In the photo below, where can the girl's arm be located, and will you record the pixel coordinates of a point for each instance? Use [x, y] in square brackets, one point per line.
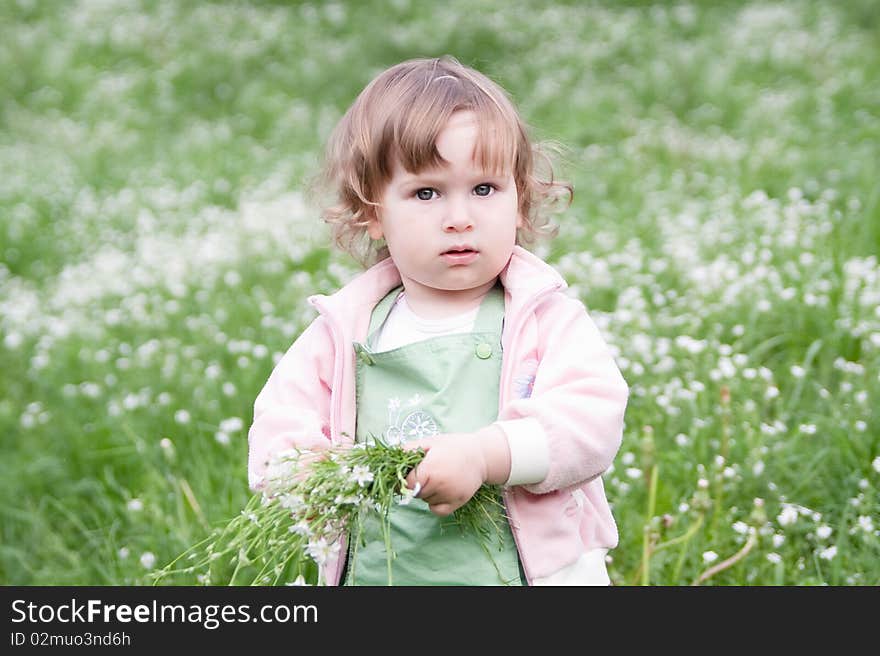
[570, 428]
[293, 408]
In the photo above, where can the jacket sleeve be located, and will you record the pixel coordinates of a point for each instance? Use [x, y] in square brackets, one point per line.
[293, 408]
[571, 426]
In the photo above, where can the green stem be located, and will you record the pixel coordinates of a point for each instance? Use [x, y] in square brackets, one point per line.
[730, 562]
[719, 476]
[690, 533]
[646, 530]
[687, 535]
[386, 532]
[235, 571]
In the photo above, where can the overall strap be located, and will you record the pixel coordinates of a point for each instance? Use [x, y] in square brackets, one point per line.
[491, 315]
[381, 312]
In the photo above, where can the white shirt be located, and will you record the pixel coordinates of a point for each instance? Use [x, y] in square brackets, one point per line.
[403, 326]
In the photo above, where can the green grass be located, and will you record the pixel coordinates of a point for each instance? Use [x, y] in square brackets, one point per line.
[155, 257]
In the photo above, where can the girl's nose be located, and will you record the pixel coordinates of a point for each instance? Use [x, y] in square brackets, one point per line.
[457, 217]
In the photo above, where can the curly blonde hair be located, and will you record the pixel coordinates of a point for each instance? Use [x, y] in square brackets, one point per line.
[400, 114]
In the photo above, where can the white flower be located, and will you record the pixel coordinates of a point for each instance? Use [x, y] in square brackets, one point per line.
[320, 550]
[823, 532]
[710, 557]
[293, 502]
[758, 468]
[809, 429]
[866, 523]
[798, 372]
[231, 425]
[741, 527]
[123, 553]
[299, 581]
[135, 505]
[222, 437]
[681, 439]
[778, 540]
[409, 494]
[774, 558]
[788, 516]
[181, 417]
[148, 559]
[829, 553]
[634, 472]
[361, 475]
[349, 499]
[876, 464]
[301, 528]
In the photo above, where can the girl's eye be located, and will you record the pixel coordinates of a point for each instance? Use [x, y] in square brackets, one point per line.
[425, 194]
[483, 189]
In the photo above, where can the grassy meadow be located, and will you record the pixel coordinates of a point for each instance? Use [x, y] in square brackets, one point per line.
[157, 249]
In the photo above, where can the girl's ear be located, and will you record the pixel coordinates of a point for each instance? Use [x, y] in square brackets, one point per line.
[374, 228]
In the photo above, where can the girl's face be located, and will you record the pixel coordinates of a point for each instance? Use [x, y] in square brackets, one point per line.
[450, 230]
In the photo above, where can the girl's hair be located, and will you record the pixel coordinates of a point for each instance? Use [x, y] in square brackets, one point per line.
[399, 114]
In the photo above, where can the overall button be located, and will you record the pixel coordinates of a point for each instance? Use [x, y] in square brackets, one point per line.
[484, 350]
[363, 355]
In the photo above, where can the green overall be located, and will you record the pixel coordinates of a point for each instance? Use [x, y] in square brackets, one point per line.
[446, 384]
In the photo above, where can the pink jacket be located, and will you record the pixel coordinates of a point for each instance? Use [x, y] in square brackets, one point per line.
[559, 383]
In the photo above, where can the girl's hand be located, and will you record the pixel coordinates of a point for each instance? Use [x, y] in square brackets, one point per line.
[456, 465]
[305, 461]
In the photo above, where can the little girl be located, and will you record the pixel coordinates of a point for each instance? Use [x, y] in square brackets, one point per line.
[458, 341]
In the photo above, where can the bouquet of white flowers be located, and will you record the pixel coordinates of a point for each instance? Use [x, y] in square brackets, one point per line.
[308, 501]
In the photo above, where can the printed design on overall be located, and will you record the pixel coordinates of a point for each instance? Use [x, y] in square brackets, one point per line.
[524, 381]
[408, 422]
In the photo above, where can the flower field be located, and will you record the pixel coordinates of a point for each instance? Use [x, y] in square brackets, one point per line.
[157, 246]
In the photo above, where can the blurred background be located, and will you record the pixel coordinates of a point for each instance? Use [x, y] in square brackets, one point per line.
[156, 251]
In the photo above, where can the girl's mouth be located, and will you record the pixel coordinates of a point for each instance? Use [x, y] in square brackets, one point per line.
[460, 256]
